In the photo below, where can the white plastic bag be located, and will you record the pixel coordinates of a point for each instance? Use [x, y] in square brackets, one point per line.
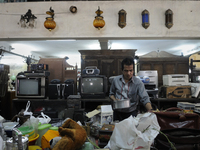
[27, 108]
[43, 119]
[1, 143]
[136, 133]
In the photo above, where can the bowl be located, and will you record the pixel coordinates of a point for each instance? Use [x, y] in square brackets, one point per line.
[33, 140]
[27, 131]
[119, 104]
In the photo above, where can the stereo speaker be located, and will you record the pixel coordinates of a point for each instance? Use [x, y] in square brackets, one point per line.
[54, 91]
[79, 115]
[67, 89]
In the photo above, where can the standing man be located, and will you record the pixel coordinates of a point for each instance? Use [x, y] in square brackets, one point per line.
[127, 86]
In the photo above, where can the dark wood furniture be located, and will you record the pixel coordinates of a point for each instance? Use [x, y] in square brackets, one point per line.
[60, 69]
[164, 65]
[107, 61]
[6, 106]
[56, 104]
[164, 103]
[195, 73]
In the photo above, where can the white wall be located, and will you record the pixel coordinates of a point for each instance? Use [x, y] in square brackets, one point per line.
[186, 19]
[80, 25]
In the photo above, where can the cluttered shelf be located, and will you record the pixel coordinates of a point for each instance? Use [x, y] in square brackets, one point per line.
[158, 101]
[57, 105]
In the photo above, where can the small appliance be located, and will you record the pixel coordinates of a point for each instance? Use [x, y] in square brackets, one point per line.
[195, 89]
[175, 79]
[152, 78]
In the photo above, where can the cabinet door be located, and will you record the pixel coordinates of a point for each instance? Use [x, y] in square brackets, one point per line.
[89, 62]
[106, 67]
[182, 68]
[145, 66]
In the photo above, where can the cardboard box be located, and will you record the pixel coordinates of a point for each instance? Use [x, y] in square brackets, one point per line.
[175, 92]
[104, 116]
[105, 132]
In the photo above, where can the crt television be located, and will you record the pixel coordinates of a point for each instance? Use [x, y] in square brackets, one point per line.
[31, 87]
[93, 86]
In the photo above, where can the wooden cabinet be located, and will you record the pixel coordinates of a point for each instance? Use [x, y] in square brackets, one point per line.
[6, 106]
[107, 61]
[60, 69]
[164, 65]
[195, 71]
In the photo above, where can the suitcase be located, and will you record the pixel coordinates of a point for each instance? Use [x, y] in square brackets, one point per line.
[176, 118]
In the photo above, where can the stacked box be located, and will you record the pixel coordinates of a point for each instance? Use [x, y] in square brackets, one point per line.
[105, 133]
[175, 92]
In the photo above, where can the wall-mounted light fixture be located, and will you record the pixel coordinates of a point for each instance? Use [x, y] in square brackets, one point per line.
[50, 24]
[73, 9]
[122, 18]
[98, 21]
[145, 19]
[169, 18]
[27, 20]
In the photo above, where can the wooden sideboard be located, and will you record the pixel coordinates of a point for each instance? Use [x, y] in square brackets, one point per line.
[164, 65]
[60, 69]
[107, 61]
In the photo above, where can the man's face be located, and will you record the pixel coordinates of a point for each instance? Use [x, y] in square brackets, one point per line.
[128, 72]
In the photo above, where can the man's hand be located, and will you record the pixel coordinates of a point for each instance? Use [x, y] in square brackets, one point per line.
[149, 107]
[113, 98]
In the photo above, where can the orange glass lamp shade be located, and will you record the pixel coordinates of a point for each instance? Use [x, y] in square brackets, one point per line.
[98, 21]
[50, 24]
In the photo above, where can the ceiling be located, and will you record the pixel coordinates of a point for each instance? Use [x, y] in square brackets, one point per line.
[70, 47]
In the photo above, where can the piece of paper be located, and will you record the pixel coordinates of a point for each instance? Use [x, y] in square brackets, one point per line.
[106, 108]
[93, 113]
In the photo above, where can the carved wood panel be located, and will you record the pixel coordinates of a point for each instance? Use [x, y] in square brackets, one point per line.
[166, 65]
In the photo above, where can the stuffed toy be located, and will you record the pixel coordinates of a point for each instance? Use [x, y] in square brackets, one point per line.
[73, 136]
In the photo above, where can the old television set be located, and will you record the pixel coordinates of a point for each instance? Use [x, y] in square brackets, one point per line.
[31, 87]
[93, 86]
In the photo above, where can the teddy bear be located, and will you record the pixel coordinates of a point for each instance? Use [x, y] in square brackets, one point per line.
[73, 136]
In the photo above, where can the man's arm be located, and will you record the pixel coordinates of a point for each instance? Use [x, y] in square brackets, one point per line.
[148, 106]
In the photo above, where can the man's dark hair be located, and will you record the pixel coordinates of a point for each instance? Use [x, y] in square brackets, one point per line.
[127, 61]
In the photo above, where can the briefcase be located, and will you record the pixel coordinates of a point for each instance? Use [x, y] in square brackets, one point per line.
[176, 118]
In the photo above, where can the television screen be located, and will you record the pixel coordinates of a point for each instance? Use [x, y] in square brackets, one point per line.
[29, 86]
[92, 85]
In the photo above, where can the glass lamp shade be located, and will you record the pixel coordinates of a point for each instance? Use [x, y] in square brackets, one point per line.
[13, 77]
[23, 23]
[49, 24]
[145, 19]
[169, 18]
[31, 22]
[99, 22]
[122, 18]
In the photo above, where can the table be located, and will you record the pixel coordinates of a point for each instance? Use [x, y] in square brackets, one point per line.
[158, 101]
[57, 104]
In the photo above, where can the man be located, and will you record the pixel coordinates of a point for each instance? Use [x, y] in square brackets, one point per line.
[127, 86]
